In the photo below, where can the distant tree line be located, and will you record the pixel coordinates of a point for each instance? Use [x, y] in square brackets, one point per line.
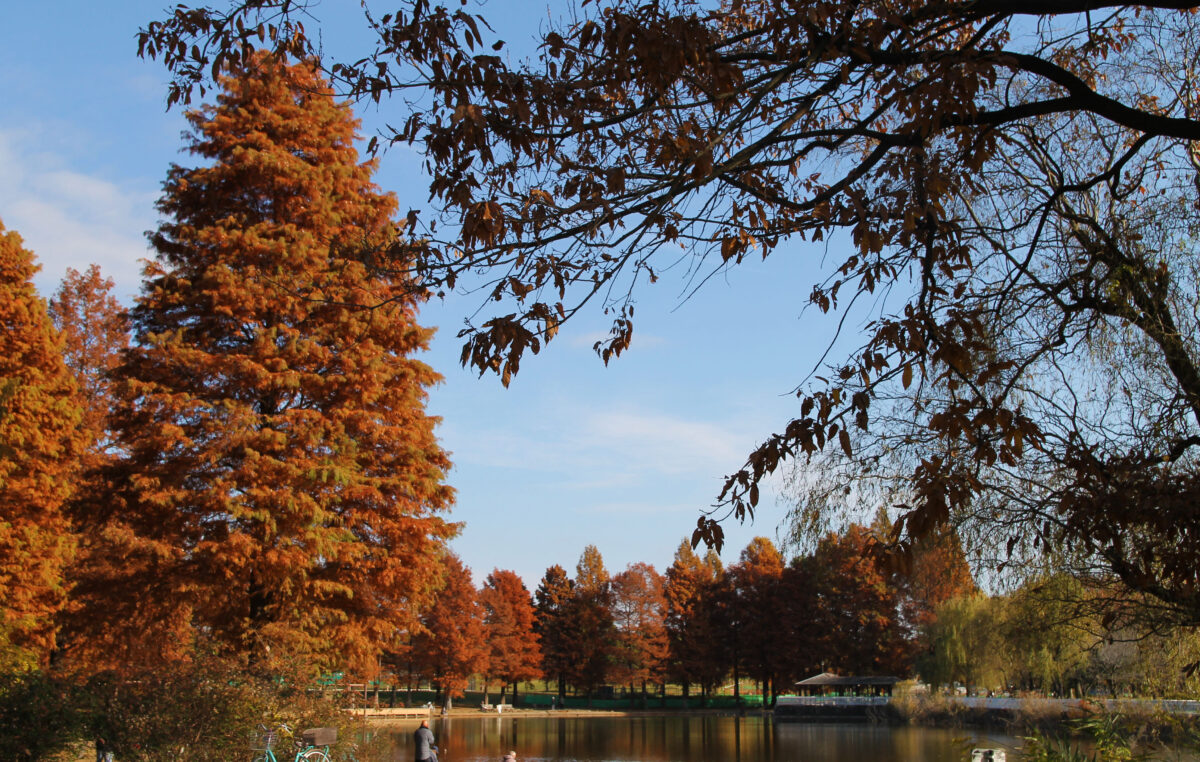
[703, 627]
[700, 626]
[1054, 636]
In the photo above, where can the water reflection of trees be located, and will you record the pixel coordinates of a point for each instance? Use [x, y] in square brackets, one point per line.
[694, 738]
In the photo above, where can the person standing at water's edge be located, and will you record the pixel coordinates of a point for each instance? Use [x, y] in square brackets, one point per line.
[426, 750]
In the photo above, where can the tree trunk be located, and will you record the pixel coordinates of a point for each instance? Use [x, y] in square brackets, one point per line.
[259, 599]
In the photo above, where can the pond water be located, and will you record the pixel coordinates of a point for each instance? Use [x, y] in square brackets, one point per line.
[692, 738]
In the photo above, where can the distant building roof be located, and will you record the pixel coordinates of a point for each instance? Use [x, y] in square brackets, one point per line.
[828, 678]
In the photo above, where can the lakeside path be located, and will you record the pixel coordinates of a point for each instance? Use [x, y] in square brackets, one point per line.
[373, 718]
[940, 709]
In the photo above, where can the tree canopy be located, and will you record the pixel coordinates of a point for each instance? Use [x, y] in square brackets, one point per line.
[92, 324]
[508, 618]
[280, 489]
[639, 613]
[451, 644]
[1014, 182]
[40, 441]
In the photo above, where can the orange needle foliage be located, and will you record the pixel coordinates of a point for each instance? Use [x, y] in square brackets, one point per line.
[281, 491]
[590, 619]
[851, 606]
[451, 645]
[40, 439]
[698, 652]
[508, 616]
[758, 578]
[94, 334]
[639, 608]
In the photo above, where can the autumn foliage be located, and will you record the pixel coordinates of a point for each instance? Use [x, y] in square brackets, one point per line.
[639, 613]
[693, 630]
[40, 442]
[758, 578]
[1019, 179]
[508, 618]
[854, 606]
[280, 491]
[94, 332]
[451, 644]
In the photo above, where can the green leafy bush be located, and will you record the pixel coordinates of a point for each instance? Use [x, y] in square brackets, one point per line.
[40, 716]
[203, 711]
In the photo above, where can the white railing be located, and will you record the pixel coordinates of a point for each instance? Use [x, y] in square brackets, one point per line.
[1172, 706]
[831, 701]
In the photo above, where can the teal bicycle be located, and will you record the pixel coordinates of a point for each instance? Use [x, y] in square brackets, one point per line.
[312, 745]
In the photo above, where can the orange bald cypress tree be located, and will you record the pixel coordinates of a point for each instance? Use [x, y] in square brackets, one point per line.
[639, 611]
[591, 619]
[757, 578]
[508, 617]
[40, 441]
[282, 490]
[696, 642]
[451, 644]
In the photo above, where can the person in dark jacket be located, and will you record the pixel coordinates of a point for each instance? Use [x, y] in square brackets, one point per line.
[104, 752]
[426, 750]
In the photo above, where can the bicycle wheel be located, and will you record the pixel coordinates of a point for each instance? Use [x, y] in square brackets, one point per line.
[313, 755]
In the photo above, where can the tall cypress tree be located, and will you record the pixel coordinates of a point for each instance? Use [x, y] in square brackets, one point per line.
[282, 490]
[40, 441]
[508, 617]
[452, 642]
[592, 618]
[554, 625]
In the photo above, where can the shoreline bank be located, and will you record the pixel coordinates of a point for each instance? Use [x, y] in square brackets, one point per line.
[1013, 716]
[468, 713]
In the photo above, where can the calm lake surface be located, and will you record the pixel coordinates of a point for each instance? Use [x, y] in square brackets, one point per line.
[690, 739]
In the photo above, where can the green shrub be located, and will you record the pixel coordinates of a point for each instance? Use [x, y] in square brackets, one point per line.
[40, 716]
[203, 711]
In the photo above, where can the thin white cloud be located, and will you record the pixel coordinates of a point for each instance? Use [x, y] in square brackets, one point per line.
[664, 443]
[71, 219]
[581, 448]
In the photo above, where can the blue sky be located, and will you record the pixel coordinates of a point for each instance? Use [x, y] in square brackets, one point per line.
[572, 453]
